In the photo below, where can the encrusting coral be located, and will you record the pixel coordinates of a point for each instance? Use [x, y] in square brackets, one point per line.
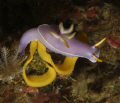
[10, 63]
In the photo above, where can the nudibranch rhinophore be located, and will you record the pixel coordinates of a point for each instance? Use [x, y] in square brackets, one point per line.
[60, 40]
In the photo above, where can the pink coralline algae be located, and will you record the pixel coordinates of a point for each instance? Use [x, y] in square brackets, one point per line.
[63, 76]
[8, 95]
[91, 12]
[50, 97]
[28, 89]
[114, 41]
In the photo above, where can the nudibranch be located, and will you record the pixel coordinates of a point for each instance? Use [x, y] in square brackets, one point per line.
[58, 40]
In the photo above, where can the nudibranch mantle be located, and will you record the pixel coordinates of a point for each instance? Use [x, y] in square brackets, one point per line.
[42, 33]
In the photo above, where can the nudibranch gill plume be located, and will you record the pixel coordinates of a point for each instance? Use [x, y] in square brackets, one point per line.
[61, 41]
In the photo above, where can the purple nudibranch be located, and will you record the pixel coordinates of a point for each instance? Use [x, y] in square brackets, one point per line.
[76, 47]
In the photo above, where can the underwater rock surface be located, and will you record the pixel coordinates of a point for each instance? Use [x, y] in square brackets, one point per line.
[88, 83]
